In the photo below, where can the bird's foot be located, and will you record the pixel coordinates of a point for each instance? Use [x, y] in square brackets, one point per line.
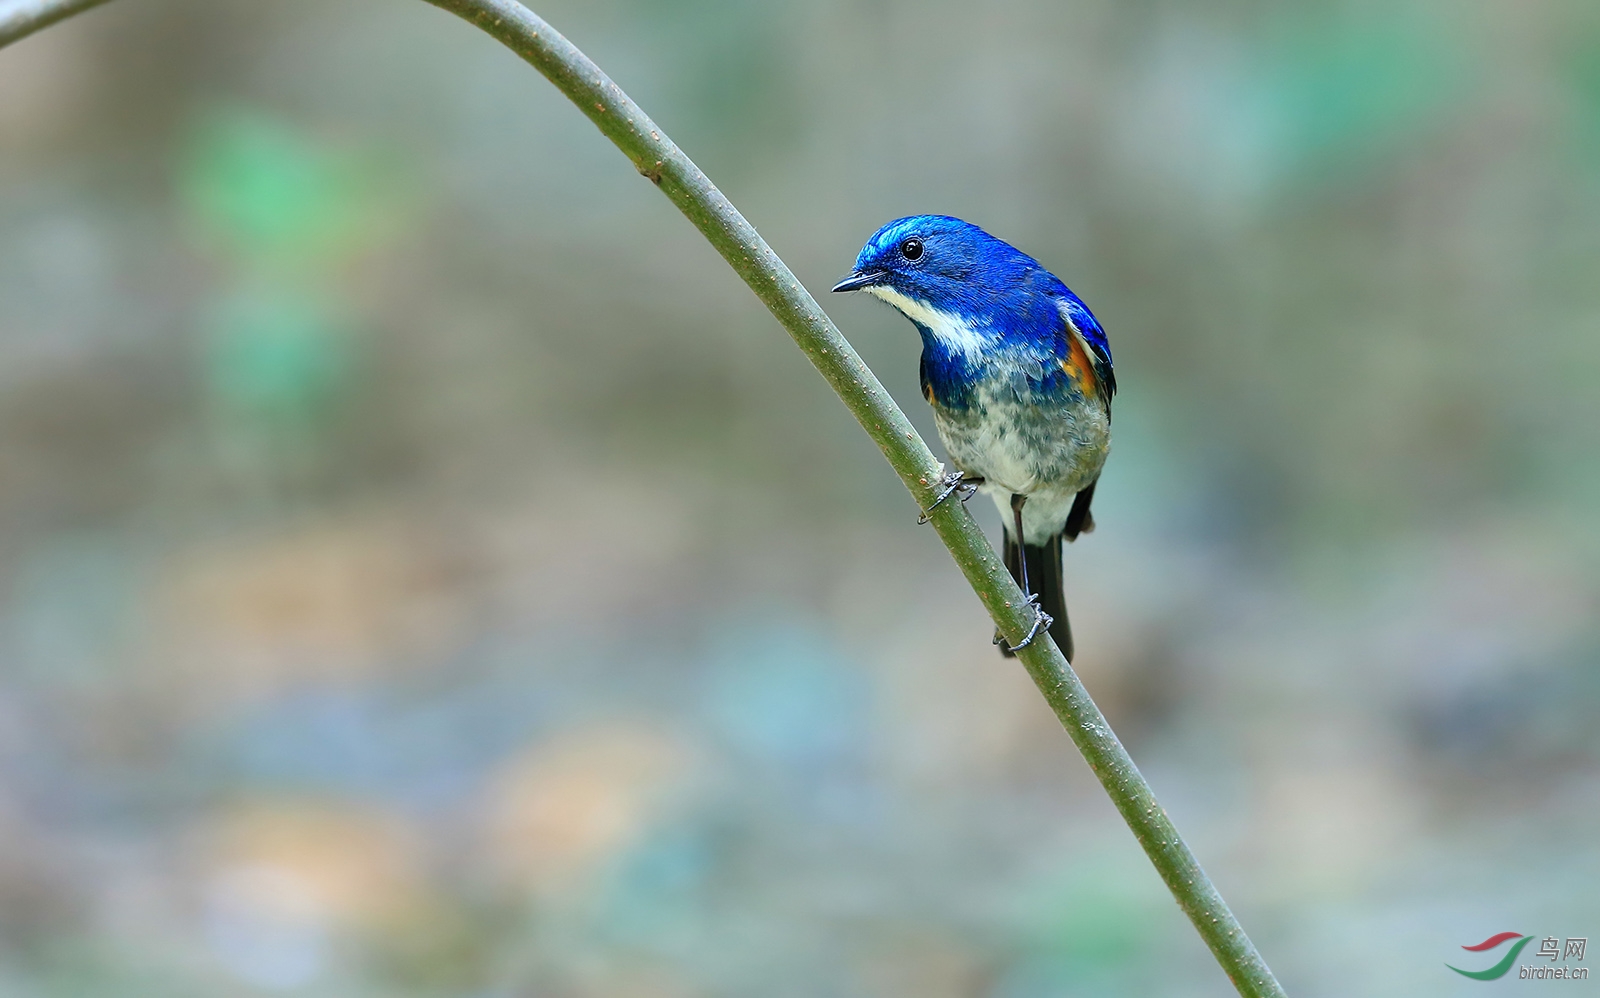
[954, 482]
[1041, 622]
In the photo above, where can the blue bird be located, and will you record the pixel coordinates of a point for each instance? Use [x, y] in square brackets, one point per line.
[1018, 372]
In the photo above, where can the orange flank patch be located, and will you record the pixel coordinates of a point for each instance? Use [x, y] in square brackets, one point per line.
[1079, 367]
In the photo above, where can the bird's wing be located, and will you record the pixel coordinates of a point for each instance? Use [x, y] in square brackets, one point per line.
[1082, 324]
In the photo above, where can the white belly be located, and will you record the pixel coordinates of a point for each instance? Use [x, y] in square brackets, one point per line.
[1048, 452]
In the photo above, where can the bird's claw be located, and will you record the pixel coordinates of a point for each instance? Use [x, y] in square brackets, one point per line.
[1041, 622]
[953, 482]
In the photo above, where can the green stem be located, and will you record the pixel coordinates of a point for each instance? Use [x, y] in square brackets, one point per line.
[21, 18]
[664, 164]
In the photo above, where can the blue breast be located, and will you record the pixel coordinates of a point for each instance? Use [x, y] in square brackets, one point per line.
[1030, 367]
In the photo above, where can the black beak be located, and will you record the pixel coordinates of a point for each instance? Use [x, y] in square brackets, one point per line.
[858, 280]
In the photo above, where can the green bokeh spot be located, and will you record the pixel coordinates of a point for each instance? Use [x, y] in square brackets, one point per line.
[1586, 84]
[1347, 92]
[271, 193]
[275, 356]
[1084, 928]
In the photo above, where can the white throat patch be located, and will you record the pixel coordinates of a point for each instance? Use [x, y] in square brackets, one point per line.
[949, 329]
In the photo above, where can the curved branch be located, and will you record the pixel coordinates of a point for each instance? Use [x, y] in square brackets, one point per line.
[22, 18]
[657, 158]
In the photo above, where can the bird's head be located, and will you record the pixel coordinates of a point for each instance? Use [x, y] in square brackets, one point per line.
[939, 262]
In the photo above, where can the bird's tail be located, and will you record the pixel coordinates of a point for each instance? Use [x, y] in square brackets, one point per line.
[1044, 576]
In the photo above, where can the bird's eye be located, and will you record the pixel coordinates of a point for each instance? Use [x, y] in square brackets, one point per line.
[911, 249]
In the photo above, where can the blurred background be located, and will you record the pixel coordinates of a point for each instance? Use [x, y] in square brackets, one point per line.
[426, 570]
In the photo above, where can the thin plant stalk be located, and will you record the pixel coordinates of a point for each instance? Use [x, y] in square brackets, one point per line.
[21, 18]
